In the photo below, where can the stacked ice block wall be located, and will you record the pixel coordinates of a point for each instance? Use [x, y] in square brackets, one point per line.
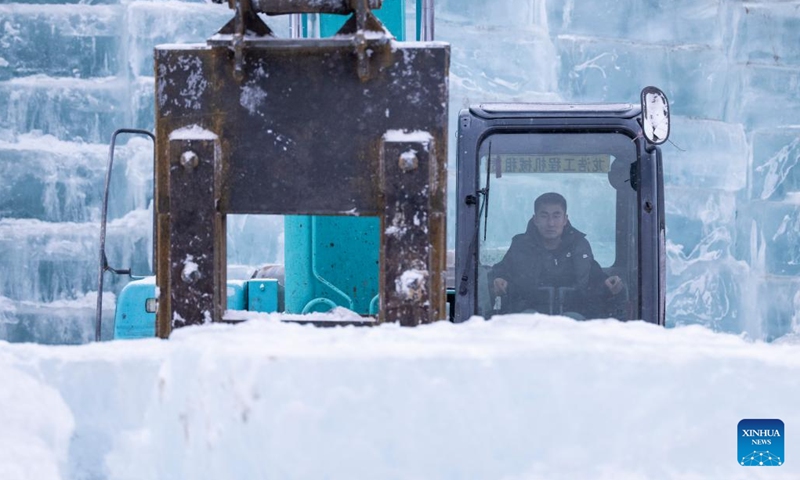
[72, 71]
[732, 73]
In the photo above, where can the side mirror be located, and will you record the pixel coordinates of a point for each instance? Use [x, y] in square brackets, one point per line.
[655, 113]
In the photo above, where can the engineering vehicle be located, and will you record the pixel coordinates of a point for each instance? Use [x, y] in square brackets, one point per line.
[211, 157]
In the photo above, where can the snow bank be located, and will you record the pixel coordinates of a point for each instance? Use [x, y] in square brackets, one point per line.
[36, 428]
[524, 396]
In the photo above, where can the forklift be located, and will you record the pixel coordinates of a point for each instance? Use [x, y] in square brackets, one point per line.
[353, 128]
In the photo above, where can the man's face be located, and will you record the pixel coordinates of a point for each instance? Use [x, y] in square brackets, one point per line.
[550, 220]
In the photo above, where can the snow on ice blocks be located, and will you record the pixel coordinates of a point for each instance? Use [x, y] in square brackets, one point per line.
[45, 261]
[52, 180]
[89, 38]
[616, 401]
[59, 40]
[60, 322]
[68, 108]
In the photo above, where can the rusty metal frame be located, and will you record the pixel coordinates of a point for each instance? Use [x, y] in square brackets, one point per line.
[352, 125]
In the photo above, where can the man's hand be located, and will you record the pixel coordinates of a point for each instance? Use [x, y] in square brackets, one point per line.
[614, 284]
[500, 286]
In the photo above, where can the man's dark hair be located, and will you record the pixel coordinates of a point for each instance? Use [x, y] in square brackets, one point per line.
[550, 198]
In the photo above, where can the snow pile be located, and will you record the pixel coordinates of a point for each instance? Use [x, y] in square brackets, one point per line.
[523, 396]
[36, 428]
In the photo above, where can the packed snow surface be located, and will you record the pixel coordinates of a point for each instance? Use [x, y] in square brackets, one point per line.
[523, 396]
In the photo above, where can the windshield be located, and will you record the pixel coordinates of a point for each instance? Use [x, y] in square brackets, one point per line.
[558, 233]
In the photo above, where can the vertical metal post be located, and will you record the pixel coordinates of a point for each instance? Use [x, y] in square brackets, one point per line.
[427, 33]
[413, 230]
[418, 11]
[295, 25]
[191, 277]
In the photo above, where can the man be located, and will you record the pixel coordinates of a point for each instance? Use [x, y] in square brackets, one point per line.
[552, 262]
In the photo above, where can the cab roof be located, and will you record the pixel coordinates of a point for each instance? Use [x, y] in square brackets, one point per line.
[518, 110]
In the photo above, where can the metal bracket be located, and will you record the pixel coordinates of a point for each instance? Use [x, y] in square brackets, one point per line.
[298, 132]
[245, 22]
[190, 261]
[367, 33]
[288, 7]
[413, 230]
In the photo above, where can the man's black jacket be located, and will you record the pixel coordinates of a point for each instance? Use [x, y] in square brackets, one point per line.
[528, 266]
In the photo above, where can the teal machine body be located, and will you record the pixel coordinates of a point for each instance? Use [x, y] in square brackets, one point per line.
[135, 315]
[334, 261]
[330, 262]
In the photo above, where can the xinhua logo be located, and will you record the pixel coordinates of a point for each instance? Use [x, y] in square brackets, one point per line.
[761, 443]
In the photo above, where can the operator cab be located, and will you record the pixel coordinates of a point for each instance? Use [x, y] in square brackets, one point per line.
[609, 172]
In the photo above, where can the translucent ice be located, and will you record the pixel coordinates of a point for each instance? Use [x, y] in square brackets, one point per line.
[59, 40]
[602, 69]
[775, 172]
[73, 71]
[69, 108]
[762, 32]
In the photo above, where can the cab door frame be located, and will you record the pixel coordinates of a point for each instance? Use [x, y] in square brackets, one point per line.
[480, 121]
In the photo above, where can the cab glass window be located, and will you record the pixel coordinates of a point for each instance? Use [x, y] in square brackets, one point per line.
[578, 255]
